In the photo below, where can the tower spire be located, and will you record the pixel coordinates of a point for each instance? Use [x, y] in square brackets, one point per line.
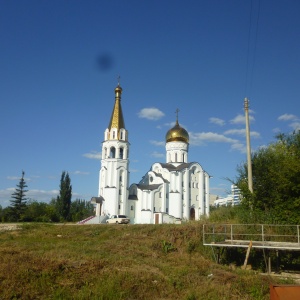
[117, 120]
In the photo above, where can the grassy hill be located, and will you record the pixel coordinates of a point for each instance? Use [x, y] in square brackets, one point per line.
[41, 261]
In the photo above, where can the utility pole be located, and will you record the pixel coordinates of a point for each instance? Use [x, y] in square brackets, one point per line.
[246, 107]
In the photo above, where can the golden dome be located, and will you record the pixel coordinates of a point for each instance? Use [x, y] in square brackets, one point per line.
[118, 90]
[177, 133]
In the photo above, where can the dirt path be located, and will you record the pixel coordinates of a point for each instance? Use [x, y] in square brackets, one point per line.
[8, 227]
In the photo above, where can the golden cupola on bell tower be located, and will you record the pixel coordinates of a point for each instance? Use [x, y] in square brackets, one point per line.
[116, 128]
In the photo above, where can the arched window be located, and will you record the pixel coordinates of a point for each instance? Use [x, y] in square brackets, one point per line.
[121, 153]
[175, 157]
[183, 157]
[112, 152]
[121, 135]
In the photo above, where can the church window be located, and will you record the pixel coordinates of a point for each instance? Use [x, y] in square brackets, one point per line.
[175, 157]
[160, 195]
[167, 210]
[112, 152]
[121, 179]
[151, 178]
[119, 206]
[131, 207]
[120, 191]
[154, 209]
[121, 135]
[193, 184]
[114, 135]
[121, 153]
[182, 183]
[197, 185]
[182, 157]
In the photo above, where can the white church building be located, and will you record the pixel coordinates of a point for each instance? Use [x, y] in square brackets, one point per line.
[170, 192]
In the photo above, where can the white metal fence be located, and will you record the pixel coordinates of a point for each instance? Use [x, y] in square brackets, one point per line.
[261, 235]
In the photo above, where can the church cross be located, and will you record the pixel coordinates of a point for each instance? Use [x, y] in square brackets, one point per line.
[177, 111]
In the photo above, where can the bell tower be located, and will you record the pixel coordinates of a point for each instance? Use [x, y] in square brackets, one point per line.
[114, 171]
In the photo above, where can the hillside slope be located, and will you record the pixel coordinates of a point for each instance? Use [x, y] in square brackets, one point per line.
[118, 262]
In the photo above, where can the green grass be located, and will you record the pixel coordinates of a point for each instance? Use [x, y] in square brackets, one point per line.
[118, 262]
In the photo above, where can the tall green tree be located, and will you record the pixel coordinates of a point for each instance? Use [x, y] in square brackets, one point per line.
[80, 209]
[63, 202]
[19, 200]
[276, 181]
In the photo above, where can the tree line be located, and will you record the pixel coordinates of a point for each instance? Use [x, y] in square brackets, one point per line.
[59, 209]
[276, 185]
[275, 198]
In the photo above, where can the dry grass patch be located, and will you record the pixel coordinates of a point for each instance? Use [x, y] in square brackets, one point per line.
[118, 262]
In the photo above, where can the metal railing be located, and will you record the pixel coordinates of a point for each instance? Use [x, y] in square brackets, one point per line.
[262, 235]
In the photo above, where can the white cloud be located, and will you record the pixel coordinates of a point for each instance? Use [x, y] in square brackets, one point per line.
[240, 119]
[202, 137]
[13, 178]
[42, 195]
[27, 179]
[276, 130]
[157, 143]
[287, 117]
[242, 132]
[150, 113]
[217, 121]
[211, 137]
[157, 154]
[39, 195]
[239, 147]
[81, 173]
[295, 125]
[171, 124]
[93, 155]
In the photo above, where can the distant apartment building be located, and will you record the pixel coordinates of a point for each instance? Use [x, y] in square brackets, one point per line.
[232, 199]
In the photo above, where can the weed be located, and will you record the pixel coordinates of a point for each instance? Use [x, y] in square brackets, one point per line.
[168, 247]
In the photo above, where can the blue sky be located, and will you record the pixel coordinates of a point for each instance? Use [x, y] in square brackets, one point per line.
[59, 62]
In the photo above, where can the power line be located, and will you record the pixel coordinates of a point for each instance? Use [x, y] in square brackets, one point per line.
[250, 64]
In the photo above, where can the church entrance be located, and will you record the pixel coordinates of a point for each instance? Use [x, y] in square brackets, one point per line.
[192, 213]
